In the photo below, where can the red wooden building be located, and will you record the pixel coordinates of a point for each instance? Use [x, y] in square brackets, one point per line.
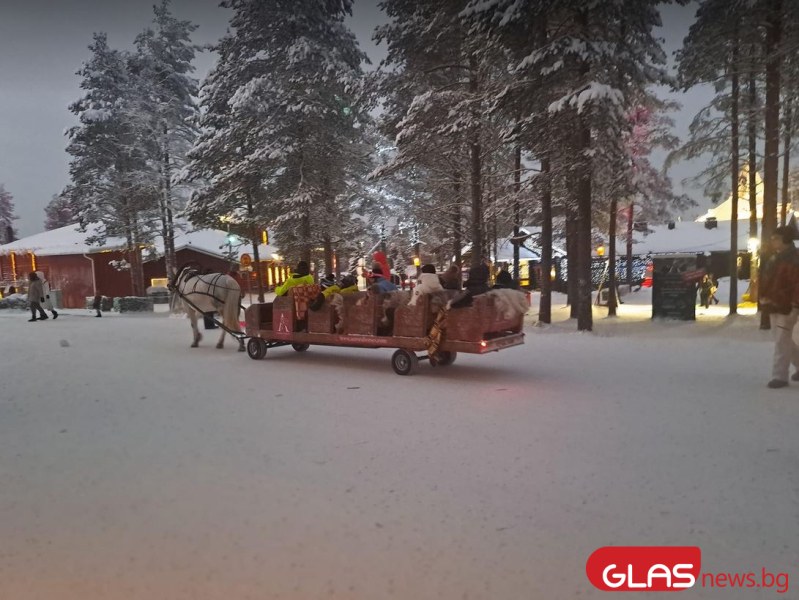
[80, 270]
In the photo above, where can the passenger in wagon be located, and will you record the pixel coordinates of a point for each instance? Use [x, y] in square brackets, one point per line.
[300, 276]
[378, 279]
[505, 281]
[427, 284]
[476, 284]
[451, 278]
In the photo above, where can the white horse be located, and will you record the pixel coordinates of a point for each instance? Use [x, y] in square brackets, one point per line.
[209, 293]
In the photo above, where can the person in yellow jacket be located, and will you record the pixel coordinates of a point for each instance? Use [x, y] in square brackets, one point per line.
[300, 276]
[349, 285]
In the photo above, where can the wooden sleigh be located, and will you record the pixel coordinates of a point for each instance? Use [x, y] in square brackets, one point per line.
[476, 329]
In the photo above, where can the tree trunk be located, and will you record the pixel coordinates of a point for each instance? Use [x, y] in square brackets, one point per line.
[584, 309]
[256, 255]
[456, 218]
[305, 224]
[327, 244]
[475, 173]
[612, 258]
[545, 306]
[629, 265]
[573, 259]
[136, 266]
[772, 131]
[752, 133]
[786, 166]
[170, 258]
[517, 187]
[734, 173]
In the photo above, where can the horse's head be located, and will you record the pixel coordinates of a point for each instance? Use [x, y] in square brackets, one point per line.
[184, 272]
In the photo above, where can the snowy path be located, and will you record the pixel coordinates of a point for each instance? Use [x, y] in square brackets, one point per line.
[132, 467]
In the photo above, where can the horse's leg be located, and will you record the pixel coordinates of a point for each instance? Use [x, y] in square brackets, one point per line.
[221, 342]
[197, 335]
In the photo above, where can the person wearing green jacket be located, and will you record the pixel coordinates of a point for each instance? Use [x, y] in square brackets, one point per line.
[300, 276]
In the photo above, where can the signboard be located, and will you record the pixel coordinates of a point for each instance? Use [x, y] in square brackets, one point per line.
[246, 260]
[674, 287]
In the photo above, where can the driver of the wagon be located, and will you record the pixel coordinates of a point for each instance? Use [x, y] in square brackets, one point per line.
[300, 276]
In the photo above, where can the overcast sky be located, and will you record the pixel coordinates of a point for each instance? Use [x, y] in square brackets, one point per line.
[44, 42]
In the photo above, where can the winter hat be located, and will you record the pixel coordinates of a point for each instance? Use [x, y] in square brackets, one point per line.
[504, 278]
[786, 233]
[428, 268]
[302, 269]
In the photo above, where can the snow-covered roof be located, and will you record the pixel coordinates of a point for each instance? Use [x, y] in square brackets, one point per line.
[64, 240]
[689, 237]
[214, 241]
[69, 240]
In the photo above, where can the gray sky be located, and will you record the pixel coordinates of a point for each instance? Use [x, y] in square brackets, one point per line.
[44, 42]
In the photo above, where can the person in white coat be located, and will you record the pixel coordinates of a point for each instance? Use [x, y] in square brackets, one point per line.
[427, 284]
[48, 302]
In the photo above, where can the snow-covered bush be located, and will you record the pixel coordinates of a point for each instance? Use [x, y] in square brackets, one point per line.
[14, 301]
[133, 304]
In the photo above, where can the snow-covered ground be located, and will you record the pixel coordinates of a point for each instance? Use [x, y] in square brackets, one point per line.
[134, 467]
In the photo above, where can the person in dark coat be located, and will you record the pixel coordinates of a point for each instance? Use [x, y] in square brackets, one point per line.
[98, 303]
[505, 281]
[451, 278]
[779, 295]
[705, 291]
[36, 297]
[476, 284]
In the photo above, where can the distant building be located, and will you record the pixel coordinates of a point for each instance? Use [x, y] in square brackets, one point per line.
[78, 269]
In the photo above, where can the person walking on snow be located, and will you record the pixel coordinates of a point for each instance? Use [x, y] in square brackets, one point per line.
[47, 302]
[98, 303]
[779, 295]
[36, 297]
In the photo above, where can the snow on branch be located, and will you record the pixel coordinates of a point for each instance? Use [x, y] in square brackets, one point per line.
[594, 92]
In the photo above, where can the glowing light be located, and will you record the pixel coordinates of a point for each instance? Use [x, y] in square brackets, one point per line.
[600, 251]
[552, 274]
[483, 343]
[417, 261]
[753, 245]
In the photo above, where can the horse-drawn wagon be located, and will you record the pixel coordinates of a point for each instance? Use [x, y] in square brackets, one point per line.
[363, 320]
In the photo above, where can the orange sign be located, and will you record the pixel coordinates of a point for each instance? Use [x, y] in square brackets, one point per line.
[246, 260]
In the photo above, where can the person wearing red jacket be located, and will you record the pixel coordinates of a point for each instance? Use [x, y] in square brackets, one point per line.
[779, 295]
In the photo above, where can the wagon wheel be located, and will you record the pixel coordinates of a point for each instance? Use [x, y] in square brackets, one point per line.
[300, 347]
[404, 362]
[256, 348]
[444, 359]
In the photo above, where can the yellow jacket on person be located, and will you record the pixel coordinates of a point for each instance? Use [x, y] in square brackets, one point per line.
[334, 289]
[291, 282]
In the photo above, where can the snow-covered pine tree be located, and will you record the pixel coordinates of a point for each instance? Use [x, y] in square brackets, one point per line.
[59, 212]
[790, 100]
[284, 110]
[593, 59]
[7, 217]
[167, 91]
[437, 79]
[111, 177]
[720, 49]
